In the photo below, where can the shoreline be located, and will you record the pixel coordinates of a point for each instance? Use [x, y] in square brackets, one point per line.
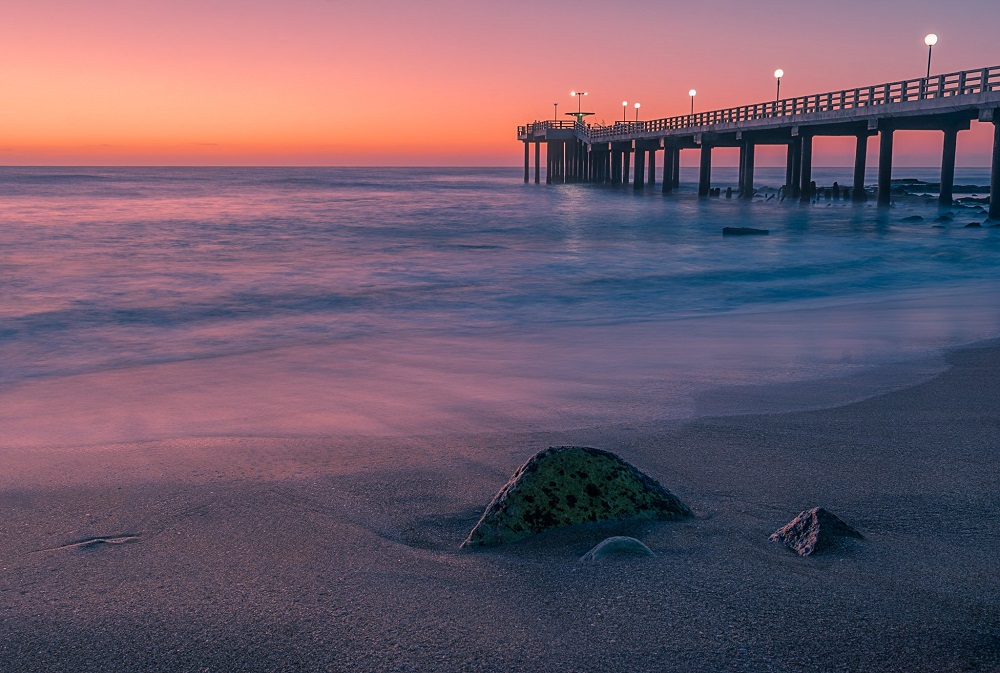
[342, 554]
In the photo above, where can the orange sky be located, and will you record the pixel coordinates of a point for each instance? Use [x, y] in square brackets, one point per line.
[333, 82]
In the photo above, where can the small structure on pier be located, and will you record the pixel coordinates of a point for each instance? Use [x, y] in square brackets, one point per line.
[577, 152]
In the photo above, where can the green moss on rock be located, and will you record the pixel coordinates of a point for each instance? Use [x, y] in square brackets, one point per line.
[567, 485]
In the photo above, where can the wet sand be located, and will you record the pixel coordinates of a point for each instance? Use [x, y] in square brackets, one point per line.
[278, 554]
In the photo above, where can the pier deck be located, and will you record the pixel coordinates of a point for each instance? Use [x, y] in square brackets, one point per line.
[578, 152]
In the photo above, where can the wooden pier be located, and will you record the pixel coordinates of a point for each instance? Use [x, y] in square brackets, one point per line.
[578, 152]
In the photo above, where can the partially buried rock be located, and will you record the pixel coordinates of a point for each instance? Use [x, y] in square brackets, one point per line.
[913, 218]
[813, 530]
[566, 485]
[617, 546]
[744, 231]
[973, 225]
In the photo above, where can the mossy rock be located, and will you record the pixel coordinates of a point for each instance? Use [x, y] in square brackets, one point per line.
[568, 485]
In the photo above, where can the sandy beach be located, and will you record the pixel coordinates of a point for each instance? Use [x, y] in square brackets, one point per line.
[317, 554]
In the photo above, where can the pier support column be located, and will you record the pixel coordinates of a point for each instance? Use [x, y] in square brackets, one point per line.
[651, 178]
[640, 168]
[741, 171]
[705, 172]
[789, 166]
[527, 167]
[548, 162]
[796, 150]
[948, 166]
[565, 162]
[626, 161]
[885, 167]
[675, 172]
[805, 183]
[860, 157]
[995, 172]
[617, 161]
[668, 170]
[538, 159]
[747, 181]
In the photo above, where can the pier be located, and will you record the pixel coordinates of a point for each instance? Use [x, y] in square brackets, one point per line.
[578, 152]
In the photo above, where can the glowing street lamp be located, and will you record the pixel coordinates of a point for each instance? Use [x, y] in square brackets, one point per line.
[692, 93]
[637, 113]
[930, 41]
[624, 110]
[778, 74]
[579, 97]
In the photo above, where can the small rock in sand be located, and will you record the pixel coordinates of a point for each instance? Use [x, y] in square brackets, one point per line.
[973, 225]
[618, 545]
[813, 530]
[913, 218]
[567, 485]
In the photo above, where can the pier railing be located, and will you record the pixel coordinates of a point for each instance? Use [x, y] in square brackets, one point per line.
[961, 83]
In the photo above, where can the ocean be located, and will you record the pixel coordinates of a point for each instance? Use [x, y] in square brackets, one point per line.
[153, 303]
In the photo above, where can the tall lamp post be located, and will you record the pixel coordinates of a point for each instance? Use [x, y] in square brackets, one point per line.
[624, 110]
[778, 74]
[555, 111]
[579, 98]
[692, 93]
[637, 106]
[930, 41]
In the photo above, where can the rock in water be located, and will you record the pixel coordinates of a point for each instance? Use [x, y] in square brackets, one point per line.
[617, 546]
[566, 485]
[744, 231]
[813, 530]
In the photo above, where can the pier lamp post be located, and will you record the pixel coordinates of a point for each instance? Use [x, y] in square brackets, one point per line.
[555, 111]
[930, 41]
[579, 98]
[778, 74]
[637, 113]
[624, 110]
[692, 93]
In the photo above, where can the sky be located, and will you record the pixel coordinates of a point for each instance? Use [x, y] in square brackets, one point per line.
[439, 82]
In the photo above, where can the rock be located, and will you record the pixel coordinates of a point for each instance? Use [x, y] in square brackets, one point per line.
[567, 485]
[813, 530]
[973, 225]
[617, 546]
[944, 218]
[913, 218]
[744, 231]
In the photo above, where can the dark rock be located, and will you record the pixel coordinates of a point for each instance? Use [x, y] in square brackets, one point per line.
[744, 231]
[567, 485]
[973, 225]
[617, 546]
[913, 218]
[944, 218]
[813, 530]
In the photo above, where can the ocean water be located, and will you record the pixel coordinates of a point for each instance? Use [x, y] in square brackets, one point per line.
[145, 303]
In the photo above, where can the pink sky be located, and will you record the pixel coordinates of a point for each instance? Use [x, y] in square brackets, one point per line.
[332, 82]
